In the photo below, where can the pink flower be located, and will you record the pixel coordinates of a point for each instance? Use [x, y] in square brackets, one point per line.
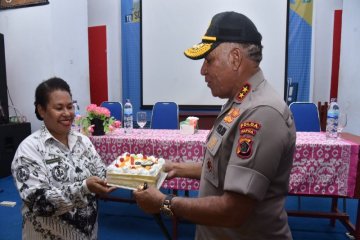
[117, 124]
[91, 108]
[97, 112]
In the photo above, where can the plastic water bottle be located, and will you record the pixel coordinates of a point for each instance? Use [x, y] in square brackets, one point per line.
[332, 119]
[128, 117]
[76, 126]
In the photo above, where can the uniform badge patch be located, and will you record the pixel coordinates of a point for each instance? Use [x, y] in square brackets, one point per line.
[244, 148]
[243, 92]
[231, 115]
[22, 174]
[221, 130]
[250, 124]
[248, 131]
[59, 173]
[212, 142]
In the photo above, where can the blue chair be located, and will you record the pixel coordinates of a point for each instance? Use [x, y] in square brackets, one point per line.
[306, 116]
[165, 115]
[115, 108]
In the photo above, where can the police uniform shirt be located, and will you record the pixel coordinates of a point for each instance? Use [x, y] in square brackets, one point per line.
[249, 151]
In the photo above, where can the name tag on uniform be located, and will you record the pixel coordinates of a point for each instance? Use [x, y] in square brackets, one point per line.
[53, 160]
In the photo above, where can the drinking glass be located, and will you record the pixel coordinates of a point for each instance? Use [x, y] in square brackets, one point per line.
[342, 121]
[141, 119]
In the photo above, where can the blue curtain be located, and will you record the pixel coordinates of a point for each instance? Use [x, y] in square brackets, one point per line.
[299, 46]
[131, 62]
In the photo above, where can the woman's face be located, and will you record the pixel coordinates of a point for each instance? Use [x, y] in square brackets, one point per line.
[58, 114]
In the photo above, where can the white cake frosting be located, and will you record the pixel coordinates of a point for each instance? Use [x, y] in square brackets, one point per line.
[137, 167]
[130, 170]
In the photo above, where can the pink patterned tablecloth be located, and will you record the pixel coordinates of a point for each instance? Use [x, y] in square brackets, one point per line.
[168, 144]
[321, 166]
[324, 167]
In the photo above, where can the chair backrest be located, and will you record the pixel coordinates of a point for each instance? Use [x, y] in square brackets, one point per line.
[115, 108]
[306, 116]
[165, 115]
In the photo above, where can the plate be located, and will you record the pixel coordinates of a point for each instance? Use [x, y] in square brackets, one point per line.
[161, 180]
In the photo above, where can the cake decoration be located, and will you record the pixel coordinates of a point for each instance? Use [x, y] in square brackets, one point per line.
[130, 170]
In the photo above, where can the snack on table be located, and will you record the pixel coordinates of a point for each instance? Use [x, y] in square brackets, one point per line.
[131, 170]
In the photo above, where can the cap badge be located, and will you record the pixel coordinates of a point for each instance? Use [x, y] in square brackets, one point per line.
[198, 49]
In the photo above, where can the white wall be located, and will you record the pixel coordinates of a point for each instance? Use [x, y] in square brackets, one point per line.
[349, 75]
[42, 42]
[109, 14]
[349, 72]
[52, 40]
[322, 42]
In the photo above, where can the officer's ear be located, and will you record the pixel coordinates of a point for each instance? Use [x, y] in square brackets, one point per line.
[236, 58]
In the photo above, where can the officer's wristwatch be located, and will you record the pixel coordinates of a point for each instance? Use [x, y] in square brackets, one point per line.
[166, 206]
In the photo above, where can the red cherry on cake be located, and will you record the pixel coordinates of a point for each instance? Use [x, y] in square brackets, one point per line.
[144, 157]
[117, 165]
[121, 159]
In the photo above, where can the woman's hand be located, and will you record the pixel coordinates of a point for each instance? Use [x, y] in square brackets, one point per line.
[98, 186]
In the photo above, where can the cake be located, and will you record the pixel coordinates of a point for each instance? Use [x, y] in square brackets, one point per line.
[131, 170]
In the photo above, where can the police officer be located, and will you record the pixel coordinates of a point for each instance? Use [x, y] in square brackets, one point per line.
[245, 174]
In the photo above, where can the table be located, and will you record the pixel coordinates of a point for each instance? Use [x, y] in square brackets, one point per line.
[321, 167]
[324, 167]
[169, 144]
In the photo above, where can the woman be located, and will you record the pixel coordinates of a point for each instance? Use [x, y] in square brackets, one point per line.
[58, 171]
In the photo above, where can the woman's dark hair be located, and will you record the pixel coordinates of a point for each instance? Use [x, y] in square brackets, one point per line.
[44, 89]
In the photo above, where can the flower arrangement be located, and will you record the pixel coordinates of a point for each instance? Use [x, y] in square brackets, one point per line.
[97, 117]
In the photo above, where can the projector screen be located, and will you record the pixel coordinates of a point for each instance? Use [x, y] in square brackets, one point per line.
[170, 27]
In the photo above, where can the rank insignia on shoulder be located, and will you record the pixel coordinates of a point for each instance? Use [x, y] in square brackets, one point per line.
[243, 92]
[244, 148]
[231, 115]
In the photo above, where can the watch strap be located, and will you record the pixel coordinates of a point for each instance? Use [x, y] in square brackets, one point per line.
[166, 205]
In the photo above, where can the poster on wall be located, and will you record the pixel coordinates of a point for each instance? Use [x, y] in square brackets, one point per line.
[10, 4]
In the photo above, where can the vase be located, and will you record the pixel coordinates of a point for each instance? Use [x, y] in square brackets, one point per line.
[98, 127]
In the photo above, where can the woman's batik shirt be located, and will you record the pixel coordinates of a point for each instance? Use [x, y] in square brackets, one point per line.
[51, 179]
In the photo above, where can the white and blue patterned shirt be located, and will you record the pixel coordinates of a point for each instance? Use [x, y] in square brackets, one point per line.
[51, 179]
